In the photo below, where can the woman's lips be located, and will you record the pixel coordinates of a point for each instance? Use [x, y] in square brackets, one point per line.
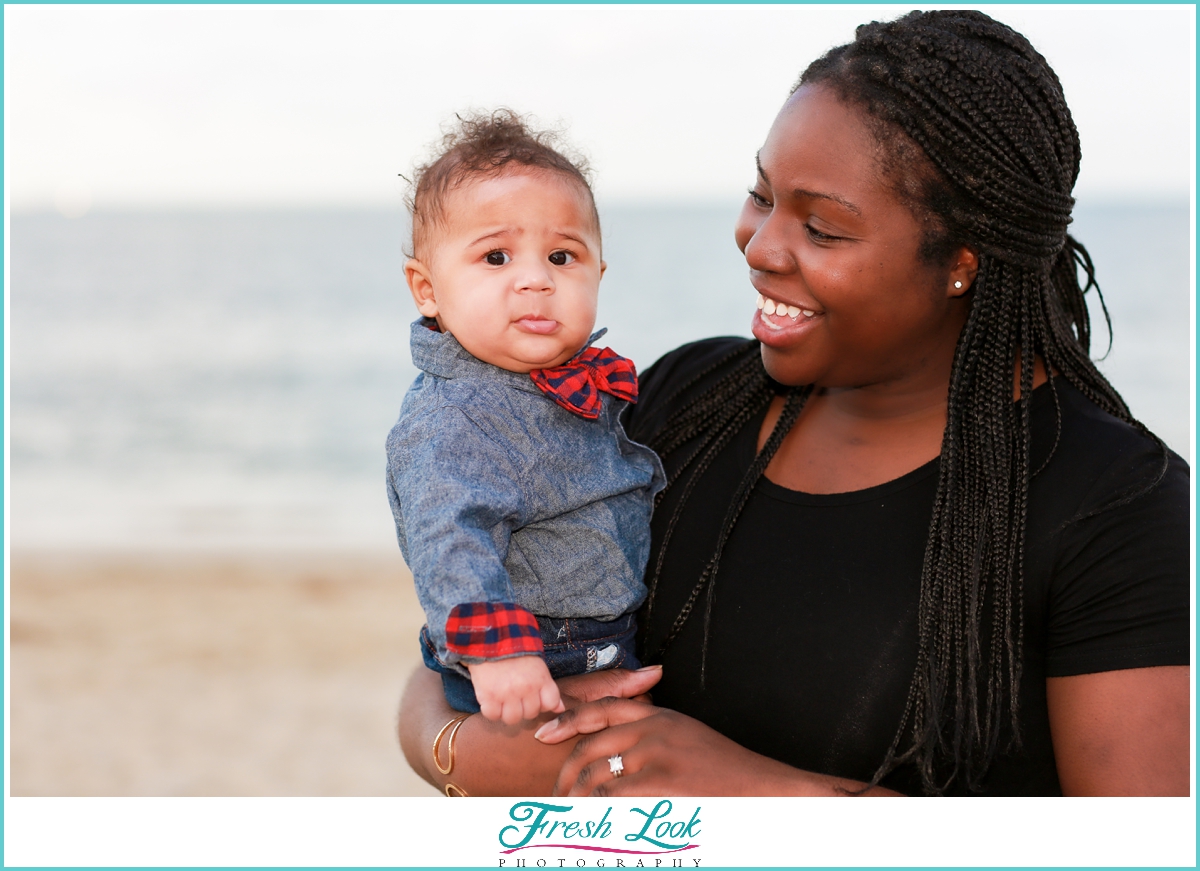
[538, 325]
[778, 323]
[769, 306]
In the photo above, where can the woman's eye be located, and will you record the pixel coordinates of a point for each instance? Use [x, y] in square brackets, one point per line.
[817, 236]
[759, 200]
[561, 258]
[496, 258]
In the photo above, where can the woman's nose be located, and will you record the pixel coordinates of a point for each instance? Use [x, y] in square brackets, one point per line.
[763, 242]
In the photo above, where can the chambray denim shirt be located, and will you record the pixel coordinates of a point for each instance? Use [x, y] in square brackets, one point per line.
[502, 495]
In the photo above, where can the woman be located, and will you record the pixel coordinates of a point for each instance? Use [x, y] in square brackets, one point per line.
[914, 542]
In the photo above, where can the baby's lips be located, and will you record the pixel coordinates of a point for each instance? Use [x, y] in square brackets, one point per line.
[541, 326]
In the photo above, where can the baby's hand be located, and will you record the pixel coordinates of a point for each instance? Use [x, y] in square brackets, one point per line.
[515, 689]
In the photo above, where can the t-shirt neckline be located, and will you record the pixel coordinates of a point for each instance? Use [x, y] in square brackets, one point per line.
[908, 479]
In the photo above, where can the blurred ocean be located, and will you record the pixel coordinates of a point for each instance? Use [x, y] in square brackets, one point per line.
[226, 380]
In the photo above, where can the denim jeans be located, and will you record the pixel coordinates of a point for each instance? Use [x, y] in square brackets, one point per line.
[572, 645]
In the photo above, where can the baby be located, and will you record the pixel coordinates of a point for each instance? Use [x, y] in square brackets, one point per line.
[521, 506]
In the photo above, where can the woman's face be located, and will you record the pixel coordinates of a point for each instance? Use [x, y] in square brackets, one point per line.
[834, 254]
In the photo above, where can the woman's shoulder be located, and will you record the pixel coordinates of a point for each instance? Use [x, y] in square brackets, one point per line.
[679, 376]
[1096, 456]
[1107, 540]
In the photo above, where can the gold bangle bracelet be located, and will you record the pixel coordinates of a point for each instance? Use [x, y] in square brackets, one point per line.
[454, 725]
[459, 792]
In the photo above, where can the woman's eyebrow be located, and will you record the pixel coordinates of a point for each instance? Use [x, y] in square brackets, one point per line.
[804, 192]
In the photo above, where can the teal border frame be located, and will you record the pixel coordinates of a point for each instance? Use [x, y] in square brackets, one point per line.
[900, 4]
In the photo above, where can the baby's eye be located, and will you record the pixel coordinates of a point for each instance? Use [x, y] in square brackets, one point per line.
[561, 258]
[496, 258]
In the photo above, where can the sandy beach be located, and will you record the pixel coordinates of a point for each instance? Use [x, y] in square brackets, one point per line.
[209, 674]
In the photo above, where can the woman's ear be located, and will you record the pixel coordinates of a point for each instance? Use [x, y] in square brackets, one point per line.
[420, 283]
[963, 268]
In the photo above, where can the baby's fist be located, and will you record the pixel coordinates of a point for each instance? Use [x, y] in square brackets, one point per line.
[514, 689]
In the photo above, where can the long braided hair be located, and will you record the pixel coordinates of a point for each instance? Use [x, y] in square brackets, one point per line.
[997, 158]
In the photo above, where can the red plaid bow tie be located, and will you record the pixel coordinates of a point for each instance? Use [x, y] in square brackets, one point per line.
[576, 384]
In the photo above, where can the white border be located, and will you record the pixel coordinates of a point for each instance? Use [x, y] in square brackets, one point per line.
[732, 832]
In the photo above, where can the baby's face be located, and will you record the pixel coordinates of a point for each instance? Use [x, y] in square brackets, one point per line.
[514, 270]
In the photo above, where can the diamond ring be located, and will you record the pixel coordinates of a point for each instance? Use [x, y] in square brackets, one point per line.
[616, 765]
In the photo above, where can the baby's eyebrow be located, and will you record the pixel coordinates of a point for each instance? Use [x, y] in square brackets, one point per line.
[578, 240]
[804, 192]
[507, 231]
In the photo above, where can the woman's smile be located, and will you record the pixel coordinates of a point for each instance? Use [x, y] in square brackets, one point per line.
[779, 323]
[769, 307]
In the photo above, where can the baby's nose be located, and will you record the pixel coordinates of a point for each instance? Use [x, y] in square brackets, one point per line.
[535, 277]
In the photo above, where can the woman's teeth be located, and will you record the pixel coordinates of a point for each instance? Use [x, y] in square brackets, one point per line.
[770, 307]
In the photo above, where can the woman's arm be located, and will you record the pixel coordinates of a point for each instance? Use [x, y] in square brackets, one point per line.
[1115, 733]
[1122, 732]
[492, 758]
[667, 753]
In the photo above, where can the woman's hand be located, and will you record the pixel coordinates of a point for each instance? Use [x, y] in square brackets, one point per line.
[492, 758]
[617, 683]
[667, 753]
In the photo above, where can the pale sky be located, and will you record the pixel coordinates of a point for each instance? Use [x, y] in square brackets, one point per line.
[144, 106]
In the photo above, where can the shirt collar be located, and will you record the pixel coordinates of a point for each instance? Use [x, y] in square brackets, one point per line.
[440, 354]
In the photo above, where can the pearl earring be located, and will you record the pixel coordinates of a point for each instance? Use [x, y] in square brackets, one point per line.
[958, 285]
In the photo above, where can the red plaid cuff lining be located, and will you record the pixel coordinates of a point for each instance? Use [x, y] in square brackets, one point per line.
[491, 630]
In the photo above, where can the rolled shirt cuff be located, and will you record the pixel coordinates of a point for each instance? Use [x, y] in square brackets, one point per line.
[491, 630]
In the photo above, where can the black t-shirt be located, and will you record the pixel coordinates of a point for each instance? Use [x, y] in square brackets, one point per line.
[813, 635]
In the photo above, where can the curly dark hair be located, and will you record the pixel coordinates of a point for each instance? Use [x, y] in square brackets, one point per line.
[484, 144]
[997, 155]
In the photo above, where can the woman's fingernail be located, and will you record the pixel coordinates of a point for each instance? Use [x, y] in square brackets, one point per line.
[546, 728]
[650, 668]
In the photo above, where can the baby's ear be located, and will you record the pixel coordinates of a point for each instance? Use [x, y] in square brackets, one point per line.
[420, 283]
